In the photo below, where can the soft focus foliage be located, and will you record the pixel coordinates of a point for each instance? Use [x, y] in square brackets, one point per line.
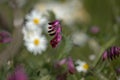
[85, 39]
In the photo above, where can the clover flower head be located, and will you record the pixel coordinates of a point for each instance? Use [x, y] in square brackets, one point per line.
[5, 37]
[71, 67]
[18, 74]
[94, 30]
[55, 30]
[111, 53]
[69, 63]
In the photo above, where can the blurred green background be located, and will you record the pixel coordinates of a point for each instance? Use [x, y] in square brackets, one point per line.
[105, 14]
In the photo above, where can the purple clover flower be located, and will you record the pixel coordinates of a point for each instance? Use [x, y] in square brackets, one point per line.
[60, 63]
[68, 62]
[18, 74]
[104, 56]
[5, 37]
[111, 53]
[94, 30]
[54, 42]
[55, 30]
[71, 67]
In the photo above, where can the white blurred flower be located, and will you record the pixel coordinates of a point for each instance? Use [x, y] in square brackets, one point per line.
[92, 57]
[94, 45]
[79, 38]
[81, 66]
[31, 26]
[28, 33]
[118, 78]
[64, 10]
[36, 44]
[35, 20]
[82, 78]
[10, 62]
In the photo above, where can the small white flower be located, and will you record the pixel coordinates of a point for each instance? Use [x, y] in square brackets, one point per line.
[79, 38]
[28, 33]
[35, 20]
[81, 66]
[36, 44]
[92, 57]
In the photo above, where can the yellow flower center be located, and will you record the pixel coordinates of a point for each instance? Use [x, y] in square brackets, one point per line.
[36, 21]
[85, 66]
[36, 42]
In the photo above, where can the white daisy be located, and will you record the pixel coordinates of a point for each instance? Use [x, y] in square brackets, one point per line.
[81, 66]
[28, 33]
[29, 25]
[35, 19]
[36, 44]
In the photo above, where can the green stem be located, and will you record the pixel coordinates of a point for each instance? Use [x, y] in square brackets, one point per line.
[99, 75]
[75, 77]
[111, 67]
[67, 48]
[115, 9]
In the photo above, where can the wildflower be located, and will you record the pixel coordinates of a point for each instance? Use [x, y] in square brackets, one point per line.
[55, 41]
[34, 20]
[104, 56]
[60, 63]
[5, 37]
[55, 30]
[27, 33]
[36, 44]
[81, 66]
[111, 53]
[71, 67]
[94, 30]
[31, 26]
[79, 38]
[18, 74]
[68, 62]
[92, 57]
[79, 14]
